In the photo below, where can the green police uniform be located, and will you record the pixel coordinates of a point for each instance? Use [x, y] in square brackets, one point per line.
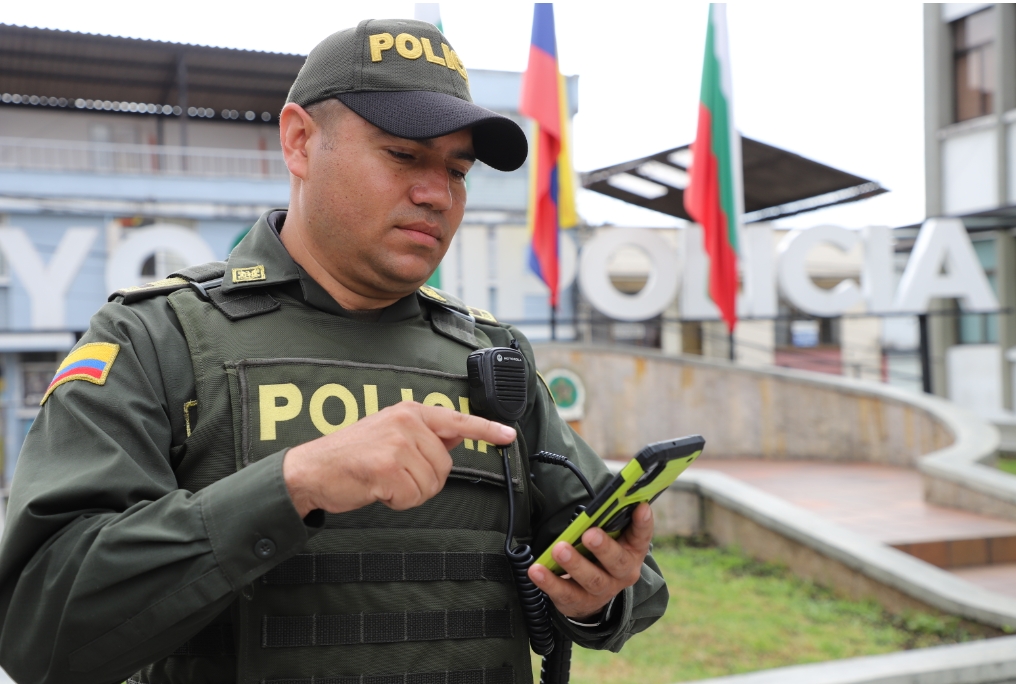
[149, 528]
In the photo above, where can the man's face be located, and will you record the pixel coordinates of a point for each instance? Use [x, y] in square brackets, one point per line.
[382, 210]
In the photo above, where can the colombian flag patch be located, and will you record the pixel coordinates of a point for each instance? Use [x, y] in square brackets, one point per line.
[90, 362]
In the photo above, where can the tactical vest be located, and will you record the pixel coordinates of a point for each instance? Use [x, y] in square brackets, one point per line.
[379, 596]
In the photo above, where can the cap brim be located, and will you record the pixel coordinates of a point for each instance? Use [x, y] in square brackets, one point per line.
[498, 141]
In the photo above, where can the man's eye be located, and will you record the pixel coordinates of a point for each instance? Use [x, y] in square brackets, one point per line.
[402, 156]
[455, 173]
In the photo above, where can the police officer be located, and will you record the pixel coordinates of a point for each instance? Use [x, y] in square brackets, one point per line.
[266, 469]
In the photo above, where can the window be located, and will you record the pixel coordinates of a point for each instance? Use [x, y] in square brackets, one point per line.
[974, 64]
[37, 370]
[981, 328]
[794, 328]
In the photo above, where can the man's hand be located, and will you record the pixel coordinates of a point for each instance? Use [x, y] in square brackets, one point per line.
[398, 456]
[588, 587]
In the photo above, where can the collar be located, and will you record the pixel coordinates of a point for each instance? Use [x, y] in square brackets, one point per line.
[260, 260]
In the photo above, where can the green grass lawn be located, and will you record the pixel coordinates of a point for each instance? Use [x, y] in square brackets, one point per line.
[1007, 464]
[731, 614]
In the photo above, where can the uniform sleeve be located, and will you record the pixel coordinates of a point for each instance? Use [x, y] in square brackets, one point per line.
[637, 607]
[105, 565]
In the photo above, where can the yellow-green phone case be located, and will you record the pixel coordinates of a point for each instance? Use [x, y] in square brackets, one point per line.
[643, 479]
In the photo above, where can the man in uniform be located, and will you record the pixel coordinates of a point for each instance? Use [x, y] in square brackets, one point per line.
[266, 470]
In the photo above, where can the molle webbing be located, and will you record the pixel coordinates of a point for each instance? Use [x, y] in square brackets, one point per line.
[490, 675]
[419, 596]
[213, 640]
[382, 566]
[385, 628]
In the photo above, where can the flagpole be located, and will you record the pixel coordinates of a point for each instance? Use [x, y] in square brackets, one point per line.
[731, 338]
[553, 323]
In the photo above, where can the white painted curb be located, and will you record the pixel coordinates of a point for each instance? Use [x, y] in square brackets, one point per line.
[992, 661]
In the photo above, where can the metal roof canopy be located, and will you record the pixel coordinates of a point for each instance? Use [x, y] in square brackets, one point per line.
[777, 183]
[70, 65]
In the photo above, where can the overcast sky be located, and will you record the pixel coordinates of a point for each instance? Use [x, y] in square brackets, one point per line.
[840, 83]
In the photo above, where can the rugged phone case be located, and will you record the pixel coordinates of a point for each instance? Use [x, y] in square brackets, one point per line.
[644, 478]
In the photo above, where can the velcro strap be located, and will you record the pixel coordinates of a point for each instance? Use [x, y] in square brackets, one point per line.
[488, 675]
[385, 628]
[239, 306]
[213, 640]
[384, 566]
[202, 272]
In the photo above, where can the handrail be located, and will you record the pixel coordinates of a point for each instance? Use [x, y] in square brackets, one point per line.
[69, 156]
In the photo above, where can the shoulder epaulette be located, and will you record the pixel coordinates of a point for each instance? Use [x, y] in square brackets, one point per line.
[136, 293]
[451, 302]
[177, 281]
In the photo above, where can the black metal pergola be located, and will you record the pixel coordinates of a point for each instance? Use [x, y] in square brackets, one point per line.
[777, 183]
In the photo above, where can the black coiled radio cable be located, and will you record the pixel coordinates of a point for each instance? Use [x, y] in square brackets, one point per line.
[557, 651]
[497, 390]
[534, 603]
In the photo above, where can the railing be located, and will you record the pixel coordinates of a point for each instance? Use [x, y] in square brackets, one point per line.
[31, 154]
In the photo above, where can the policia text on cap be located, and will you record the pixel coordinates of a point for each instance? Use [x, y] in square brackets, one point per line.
[266, 469]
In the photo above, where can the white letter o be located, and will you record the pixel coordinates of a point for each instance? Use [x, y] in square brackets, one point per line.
[658, 291]
[124, 266]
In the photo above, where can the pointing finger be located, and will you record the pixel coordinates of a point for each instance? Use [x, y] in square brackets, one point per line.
[452, 426]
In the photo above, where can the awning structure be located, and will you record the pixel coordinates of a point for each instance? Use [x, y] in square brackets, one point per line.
[777, 183]
[64, 66]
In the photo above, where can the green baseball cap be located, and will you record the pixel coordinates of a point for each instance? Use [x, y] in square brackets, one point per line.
[403, 76]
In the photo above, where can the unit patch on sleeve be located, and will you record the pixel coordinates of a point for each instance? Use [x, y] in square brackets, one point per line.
[90, 362]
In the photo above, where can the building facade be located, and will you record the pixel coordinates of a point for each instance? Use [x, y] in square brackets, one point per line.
[970, 157]
[123, 160]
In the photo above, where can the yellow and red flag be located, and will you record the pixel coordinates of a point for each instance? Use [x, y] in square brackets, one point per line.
[544, 99]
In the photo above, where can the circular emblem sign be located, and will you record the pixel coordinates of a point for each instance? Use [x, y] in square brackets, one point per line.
[569, 393]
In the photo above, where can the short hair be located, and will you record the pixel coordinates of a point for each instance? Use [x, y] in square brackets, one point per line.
[326, 114]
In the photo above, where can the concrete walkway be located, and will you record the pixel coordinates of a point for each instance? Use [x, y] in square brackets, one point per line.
[886, 504]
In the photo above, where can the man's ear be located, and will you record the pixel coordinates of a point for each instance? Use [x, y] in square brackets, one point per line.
[295, 130]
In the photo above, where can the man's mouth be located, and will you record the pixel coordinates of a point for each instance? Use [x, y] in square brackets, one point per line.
[428, 234]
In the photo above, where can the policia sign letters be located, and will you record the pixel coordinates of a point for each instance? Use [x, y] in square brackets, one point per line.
[942, 264]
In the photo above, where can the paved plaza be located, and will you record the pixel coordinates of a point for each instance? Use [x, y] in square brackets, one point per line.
[886, 503]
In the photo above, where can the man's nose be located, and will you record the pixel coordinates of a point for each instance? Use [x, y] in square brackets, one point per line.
[433, 189]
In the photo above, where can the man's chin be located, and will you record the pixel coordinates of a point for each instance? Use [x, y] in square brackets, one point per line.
[405, 281]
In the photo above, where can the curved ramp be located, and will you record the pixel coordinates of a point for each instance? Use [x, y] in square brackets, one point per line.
[635, 397]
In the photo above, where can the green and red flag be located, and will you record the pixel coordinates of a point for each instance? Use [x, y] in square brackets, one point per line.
[714, 196]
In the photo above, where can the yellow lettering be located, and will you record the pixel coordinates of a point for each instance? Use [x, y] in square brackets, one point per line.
[459, 66]
[449, 56]
[468, 443]
[272, 412]
[438, 399]
[408, 46]
[428, 52]
[317, 408]
[378, 43]
[369, 400]
[407, 394]
[464, 408]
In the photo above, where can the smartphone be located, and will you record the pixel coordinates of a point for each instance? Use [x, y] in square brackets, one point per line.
[644, 478]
